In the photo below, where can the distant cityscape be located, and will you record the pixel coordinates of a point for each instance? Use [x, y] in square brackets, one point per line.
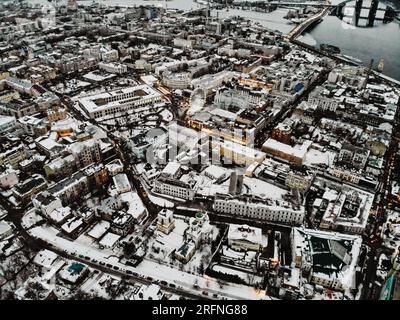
[149, 152]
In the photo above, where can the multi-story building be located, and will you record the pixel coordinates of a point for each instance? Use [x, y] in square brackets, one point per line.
[272, 210]
[56, 114]
[8, 178]
[283, 131]
[13, 156]
[34, 125]
[113, 67]
[46, 202]
[42, 73]
[122, 223]
[25, 190]
[237, 153]
[378, 145]
[61, 167]
[343, 173]
[286, 152]
[20, 85]
[121, 183]
[299, 180]
[244, 238]
[110, 55]
[174, 188]
[252, 118]
[86, 152]
[354, 156]
[5, 230]
[71, 63]
[7, 124]
[185, 252]
[142, 64]
[165, 221]
[18, 108]
[181, 80]
[71, 188]
[73, 227]
[183, 43]
[323, 103]
[151, 139]
[120, 101]
[329, 259]
[223, 124]
[238, 98]
[97, 175]
[9, 95]
[346, 210]
[114, 167]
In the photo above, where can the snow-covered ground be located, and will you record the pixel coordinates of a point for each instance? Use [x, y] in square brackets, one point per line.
[31, 218]
[161, 246]
[149, 268]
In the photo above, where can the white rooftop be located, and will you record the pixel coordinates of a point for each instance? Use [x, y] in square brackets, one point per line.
[105, 100]
[171, 168]
[245, 232]
[45, 258]
[99, 229]
[297, 151]
[109, 239]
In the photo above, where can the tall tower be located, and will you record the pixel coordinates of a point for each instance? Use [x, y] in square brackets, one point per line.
[381, 65]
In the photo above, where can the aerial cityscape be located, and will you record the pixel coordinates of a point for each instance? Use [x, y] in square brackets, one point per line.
[199, 150]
